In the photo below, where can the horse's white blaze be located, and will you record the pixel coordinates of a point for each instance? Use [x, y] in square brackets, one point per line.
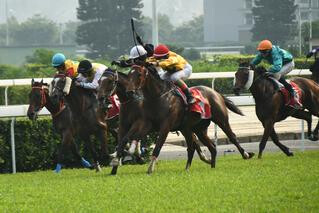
[68, 82]
[250, 79]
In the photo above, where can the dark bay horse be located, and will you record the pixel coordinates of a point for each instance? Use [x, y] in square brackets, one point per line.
[62, 120]
[132, 118]
[270, 106]
[167, 112]
[84, 107]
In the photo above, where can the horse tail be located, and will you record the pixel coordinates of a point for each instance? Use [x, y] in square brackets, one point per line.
[232, 107]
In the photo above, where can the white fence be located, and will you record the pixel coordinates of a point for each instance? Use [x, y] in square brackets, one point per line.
[12, 111]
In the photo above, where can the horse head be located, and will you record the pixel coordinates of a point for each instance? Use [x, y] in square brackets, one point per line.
[107, 86]
[243, 77]
[37, 98]
[137, 78]
[60, 86]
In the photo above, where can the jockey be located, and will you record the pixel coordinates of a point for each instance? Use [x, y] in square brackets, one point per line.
[137, 54]
[175, 67]
[89, 74]
[282, 63]
[314, 68]
[67, 67]
[313, 52]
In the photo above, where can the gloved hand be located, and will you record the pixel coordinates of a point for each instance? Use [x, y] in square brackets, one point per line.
[268, 74]
[252, 66]
[115, 63]
[309, 55]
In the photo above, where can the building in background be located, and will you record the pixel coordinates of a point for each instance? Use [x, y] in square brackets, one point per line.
[230, 20]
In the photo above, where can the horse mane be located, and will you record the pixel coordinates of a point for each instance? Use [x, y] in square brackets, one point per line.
[152, 70]
[36, 83]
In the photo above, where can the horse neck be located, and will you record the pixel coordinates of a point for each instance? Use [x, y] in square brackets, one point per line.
[75, 98]
[53, 109]
[121, 88]
[153, 87]
[261, 88]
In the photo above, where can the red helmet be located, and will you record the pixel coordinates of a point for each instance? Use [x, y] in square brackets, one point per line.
[161, 50]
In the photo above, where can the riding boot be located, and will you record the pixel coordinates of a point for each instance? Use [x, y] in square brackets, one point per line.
[292, 92]
[181, 84]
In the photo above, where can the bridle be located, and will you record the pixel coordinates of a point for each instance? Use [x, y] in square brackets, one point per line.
[115, 75]
[42, 90]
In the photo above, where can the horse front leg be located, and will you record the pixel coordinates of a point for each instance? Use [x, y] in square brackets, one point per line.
[92, 149]
[190, 141]
[158, 146]
[275, 139]
[66, 141]
[268, 127]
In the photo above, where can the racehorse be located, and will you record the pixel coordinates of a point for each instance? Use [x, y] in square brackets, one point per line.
[61, 117]
[270, 104]
[131, 114]
[84, 107]
[167, 112]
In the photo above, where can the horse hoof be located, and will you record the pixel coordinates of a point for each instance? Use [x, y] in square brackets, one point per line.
[251, 155]
[290, 154]
[114, 170]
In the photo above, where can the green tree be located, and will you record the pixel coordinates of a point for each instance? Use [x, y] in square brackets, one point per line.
[40, 56]
[274, 20]
[69, 32]
[13, 25]
[105, 27]
[191, 31]
[36, 30]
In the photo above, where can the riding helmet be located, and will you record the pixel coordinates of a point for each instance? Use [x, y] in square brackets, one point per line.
[161, 50]
[84, 66]
[58, 59]
[264, 45]
[137, 51]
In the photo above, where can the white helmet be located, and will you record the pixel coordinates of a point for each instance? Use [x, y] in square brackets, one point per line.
[137, 51]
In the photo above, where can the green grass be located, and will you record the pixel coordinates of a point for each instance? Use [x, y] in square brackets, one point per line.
[274, 184]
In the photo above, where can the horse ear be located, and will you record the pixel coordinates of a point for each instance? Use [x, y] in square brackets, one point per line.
[32, 82]
[243, 62]
[41, 81]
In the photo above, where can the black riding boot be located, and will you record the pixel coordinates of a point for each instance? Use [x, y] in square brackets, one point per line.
[190, 98]
[287, 86]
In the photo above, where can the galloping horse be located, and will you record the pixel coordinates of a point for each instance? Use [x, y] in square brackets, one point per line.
[83, 105]
[132, 118]
[270, 105]
[62, 119]
[167, 112]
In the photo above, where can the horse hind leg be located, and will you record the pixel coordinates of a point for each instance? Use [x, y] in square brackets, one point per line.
[224, 125]
[203, 137]
[275, 139]
[300, 114]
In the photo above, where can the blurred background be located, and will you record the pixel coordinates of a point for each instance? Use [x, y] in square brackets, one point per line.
[199, 28]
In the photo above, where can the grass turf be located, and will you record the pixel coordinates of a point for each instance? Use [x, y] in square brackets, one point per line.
[274, 184]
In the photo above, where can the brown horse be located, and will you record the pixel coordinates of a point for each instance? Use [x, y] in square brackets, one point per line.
[167, 112]
[61, 118]
[84, 107]
[132, 120]
[270, 106]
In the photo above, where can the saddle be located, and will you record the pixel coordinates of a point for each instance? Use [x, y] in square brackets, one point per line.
[201, 104]
[289, 101]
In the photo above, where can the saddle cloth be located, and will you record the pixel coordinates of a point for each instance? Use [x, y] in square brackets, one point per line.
[288, 100]
[201, 104]
[115, 109]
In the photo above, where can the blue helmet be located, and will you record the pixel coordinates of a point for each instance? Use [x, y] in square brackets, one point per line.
[58, 59]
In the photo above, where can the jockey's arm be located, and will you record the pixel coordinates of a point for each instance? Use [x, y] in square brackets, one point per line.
[277, 64]
[80, 78]
[256, 60]
[95, 82]
[168, 62]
